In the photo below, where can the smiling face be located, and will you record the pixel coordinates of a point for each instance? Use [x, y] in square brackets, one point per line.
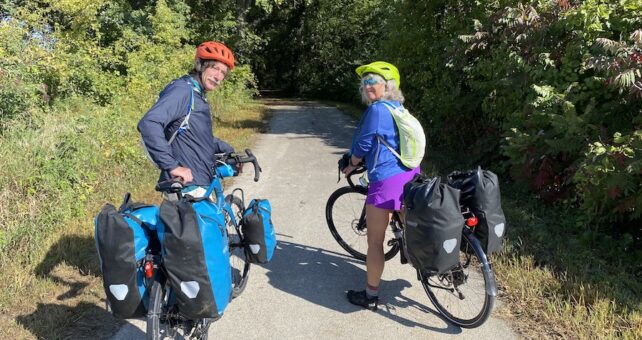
[373, 87]
[213, 76]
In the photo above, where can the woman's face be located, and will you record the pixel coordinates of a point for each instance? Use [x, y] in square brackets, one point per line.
[213, 76]
[373, 87]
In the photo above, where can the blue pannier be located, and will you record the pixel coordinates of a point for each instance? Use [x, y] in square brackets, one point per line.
[196, 256]
[122, 239]
[258, 230]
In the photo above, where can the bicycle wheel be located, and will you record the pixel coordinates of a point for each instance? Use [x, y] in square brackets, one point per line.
[466, 294]
[238, 259]
[154, 310]
[346, 216]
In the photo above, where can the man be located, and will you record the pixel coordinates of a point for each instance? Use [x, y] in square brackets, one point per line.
[177, 130]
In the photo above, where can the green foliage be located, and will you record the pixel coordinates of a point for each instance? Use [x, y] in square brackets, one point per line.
[20, 62]
[610, 179]
[337, 37]
[313, 47]
[523, 86]
[80, 75]
[549, 78]
[622, 64]
[240, 87]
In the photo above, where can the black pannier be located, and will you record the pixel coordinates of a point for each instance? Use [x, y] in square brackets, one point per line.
[196, 256]
[480, 192]
[258, 230]
[122, 238]
[433, 224]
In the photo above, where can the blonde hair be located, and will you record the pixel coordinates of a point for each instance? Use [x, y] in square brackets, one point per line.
[391, 90]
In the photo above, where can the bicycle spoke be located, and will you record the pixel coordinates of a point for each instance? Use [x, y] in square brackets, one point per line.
[461, 294]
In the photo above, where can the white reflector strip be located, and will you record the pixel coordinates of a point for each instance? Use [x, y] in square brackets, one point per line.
[119, 291]
[499, 230]
[190, 288]
[449, 245]
[255, 248]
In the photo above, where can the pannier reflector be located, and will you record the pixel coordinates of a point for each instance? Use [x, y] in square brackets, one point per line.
[255, 248]
[499, 230]
[449, 245]
[190, 288]
[119, 291]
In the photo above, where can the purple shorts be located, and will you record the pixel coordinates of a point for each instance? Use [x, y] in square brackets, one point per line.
[387, 193]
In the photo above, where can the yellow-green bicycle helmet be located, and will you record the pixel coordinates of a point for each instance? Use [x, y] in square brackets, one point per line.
[386, 70]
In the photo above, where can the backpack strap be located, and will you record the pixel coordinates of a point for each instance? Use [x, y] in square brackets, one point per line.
[380, 138]
[185, 124]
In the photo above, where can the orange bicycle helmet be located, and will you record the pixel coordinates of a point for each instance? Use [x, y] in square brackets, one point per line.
[212, 50]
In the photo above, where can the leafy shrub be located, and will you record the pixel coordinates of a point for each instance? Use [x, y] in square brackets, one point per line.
[610, 180]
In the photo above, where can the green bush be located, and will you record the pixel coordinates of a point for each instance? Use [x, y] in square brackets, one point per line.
[527, 87]
[610, 180]
[81, 77]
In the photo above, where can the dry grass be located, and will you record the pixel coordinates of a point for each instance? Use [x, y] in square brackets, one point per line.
[558, 285]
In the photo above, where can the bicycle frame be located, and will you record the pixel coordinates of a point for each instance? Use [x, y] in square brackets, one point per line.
[217, 188]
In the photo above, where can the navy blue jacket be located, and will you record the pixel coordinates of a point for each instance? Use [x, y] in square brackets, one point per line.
[193, 148]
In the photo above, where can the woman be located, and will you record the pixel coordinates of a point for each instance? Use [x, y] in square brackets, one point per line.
[380, 90]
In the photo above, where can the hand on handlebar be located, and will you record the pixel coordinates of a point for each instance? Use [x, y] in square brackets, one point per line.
[350, 167]
[184, 174]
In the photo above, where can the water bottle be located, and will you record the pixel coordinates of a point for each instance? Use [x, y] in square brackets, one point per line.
[363, 181]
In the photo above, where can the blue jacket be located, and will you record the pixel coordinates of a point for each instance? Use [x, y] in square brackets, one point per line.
[193, 148]
[377, 120]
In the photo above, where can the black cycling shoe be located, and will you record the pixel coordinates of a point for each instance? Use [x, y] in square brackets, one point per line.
[361, 299]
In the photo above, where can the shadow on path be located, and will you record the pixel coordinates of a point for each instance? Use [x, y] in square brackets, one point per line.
[322, 277]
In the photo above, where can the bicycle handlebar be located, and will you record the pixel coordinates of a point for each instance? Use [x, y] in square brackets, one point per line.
[235, 159]
[359, 170]
[174, 184]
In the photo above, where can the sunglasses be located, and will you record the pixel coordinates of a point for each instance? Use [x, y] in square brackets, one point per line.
[370, 81]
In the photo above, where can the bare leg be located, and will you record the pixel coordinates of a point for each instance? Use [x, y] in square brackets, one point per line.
[377, 220]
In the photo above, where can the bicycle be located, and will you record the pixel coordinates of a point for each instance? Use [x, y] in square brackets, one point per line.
[464, 295]
[163, 317]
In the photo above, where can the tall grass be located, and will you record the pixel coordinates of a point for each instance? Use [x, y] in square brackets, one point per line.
[565, 279]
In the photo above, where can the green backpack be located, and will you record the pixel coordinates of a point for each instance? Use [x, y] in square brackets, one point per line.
[412, 140]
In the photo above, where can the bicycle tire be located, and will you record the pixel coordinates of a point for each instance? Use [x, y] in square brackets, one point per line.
[154, 311]
[346, 221]
[238, 253]
[468, 275]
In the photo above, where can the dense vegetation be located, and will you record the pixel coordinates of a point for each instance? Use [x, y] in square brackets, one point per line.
[546, 93]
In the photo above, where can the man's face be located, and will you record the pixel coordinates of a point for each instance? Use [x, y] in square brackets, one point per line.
[213, 76]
